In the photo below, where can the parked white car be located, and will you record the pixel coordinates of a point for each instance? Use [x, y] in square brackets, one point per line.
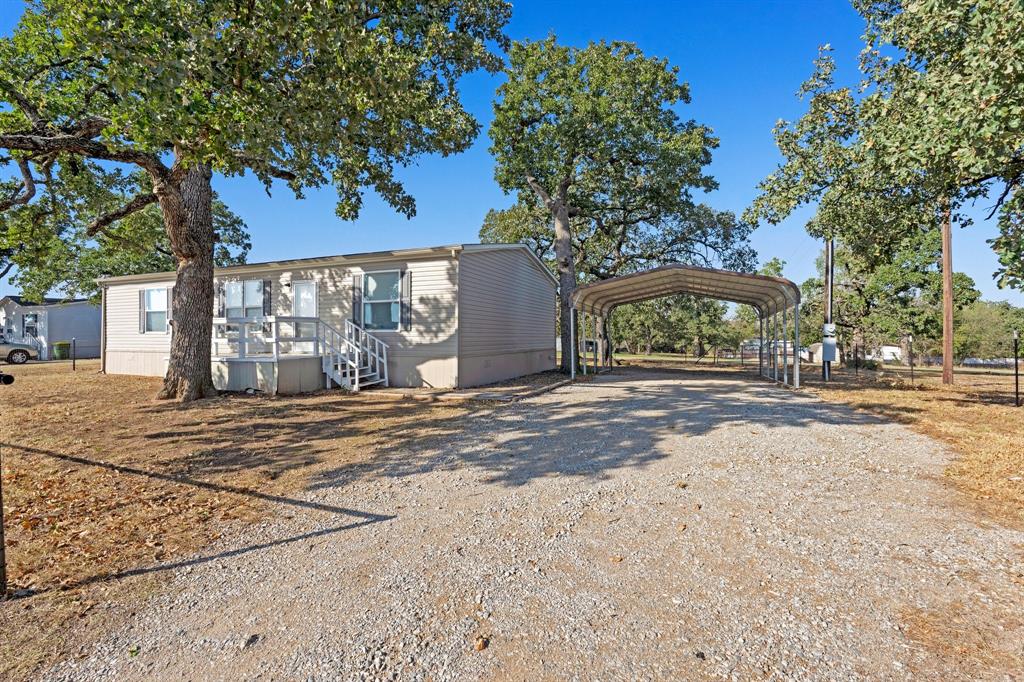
[17, 353]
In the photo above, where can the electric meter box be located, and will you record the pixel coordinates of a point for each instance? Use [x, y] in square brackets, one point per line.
[828, 343]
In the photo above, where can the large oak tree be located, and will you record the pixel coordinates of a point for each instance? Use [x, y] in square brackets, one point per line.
[310, 93]
[594, 133]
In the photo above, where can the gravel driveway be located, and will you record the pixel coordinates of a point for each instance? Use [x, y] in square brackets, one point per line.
[646, 525]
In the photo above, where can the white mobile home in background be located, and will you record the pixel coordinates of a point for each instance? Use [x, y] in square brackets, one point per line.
[51, 321]
[446, 316]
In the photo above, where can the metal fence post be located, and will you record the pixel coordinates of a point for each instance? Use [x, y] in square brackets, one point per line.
[910, 347]
[1016, 367]
[74, 353]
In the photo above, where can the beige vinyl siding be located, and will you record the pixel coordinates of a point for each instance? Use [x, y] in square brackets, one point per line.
[128, 351]
[507, 316]
[424, 355]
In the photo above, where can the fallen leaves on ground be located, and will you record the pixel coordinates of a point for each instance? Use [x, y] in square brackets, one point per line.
[103, 482]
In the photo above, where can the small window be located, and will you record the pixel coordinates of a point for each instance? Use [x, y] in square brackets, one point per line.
[243, 299]
[156, 310]
[382, 301]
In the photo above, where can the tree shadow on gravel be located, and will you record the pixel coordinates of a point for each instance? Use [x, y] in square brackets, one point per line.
[359, 518]
[592, 433]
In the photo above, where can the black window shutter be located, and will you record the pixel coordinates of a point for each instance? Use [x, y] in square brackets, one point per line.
[357, 299]
[406, 300]
[170, 308]
[142, 313]
[220, 299]
[268, 302]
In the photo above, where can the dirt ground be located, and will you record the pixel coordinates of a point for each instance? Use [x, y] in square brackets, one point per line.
[105, 488]
[644, 525]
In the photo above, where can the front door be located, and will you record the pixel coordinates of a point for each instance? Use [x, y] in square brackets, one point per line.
[304, 305]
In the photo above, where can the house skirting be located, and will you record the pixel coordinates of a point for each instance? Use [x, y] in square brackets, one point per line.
[287, 375]
[479, 370]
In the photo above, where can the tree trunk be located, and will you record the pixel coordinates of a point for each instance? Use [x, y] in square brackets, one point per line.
[947, 295]
[566, 279]
[187, 209]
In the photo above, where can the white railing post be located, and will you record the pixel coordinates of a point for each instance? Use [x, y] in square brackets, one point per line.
[243, 330]
[275, 329]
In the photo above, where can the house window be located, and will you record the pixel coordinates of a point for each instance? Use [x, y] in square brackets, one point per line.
[156, 310]
[243, 299]
[382, 300]
[32, 325]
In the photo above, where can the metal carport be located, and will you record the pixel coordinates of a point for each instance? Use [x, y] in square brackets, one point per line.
[767, 295]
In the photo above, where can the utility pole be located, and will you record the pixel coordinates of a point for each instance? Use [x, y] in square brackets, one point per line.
[826, 357]
[947, 295]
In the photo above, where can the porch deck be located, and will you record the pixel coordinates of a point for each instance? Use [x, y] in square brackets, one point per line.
[290, 354]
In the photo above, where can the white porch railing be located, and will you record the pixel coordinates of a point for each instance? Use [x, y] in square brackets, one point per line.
[352, 357]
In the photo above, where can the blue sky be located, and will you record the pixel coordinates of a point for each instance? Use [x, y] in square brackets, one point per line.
[743, 60]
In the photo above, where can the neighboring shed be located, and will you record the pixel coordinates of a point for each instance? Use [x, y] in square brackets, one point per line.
[51, 320]
[448, 316]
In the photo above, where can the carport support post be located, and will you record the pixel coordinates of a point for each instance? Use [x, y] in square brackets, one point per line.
[572, 344]
[583, 335]
[775, 345]
[760, 343]
[785, 345]
[796, 332]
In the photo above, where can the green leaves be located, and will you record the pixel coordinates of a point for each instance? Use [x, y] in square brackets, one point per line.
[48, 243]
[936, 118]
[313, 93]
[597, 125]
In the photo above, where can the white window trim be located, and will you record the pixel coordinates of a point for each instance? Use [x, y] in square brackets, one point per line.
[166, 311]
[242, 283]
[365, 300]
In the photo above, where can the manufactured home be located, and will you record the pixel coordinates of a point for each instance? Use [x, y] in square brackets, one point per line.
[50, 321]
[441, 317]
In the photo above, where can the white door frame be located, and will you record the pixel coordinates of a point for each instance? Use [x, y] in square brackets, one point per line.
[306, 346]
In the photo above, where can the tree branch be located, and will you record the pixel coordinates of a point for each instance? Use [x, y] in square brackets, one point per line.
[539, 190]
[26, 106]
[82, 146]
[137, 204]
[268, 168]
[1007, 190]
[28, 188]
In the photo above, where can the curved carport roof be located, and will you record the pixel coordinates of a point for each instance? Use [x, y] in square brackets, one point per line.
[769, 295]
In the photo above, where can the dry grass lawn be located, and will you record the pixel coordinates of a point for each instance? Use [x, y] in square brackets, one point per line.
[976, 417]
[106, 488]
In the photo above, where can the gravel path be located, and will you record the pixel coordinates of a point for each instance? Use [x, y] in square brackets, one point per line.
[647, 525]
